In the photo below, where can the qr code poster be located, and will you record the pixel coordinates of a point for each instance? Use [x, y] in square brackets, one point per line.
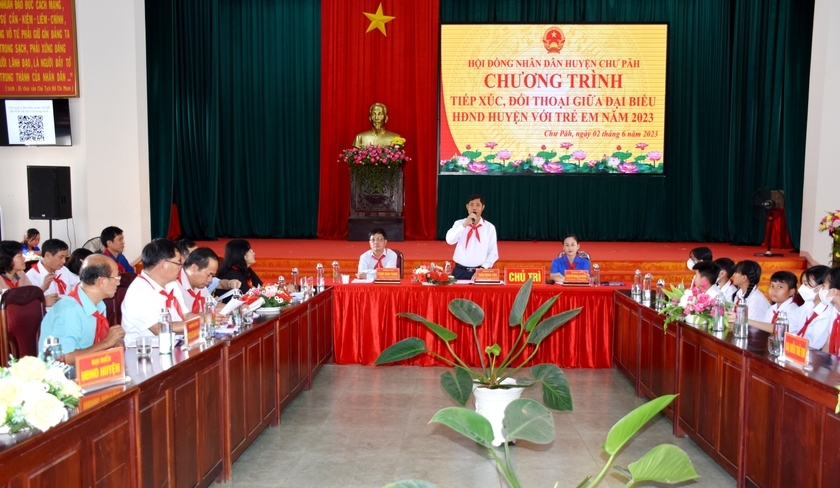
[30, 122]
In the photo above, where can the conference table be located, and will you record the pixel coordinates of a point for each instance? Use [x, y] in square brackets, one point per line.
[365, 321]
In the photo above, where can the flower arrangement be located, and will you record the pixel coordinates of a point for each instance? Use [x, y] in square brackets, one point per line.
[374, 167]
[273, 296]
[432, 274]
[34, 395]
[547, 161]
[831, 223]
[31, 256]
[682, 303]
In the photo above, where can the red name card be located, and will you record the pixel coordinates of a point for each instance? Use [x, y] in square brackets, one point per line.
[576, 277]
[388, 275]
[192, 332]
[487, 275]
[796, 349]
[100, 367]
[519, 275]
[93, 399]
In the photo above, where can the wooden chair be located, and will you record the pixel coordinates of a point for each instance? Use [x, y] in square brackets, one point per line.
[125, 280]
[21, 311]
[399, 261]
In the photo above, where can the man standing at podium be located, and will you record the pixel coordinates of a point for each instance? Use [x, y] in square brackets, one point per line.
[474, 239]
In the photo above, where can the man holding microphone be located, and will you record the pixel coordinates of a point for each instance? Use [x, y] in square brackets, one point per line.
[474, 239]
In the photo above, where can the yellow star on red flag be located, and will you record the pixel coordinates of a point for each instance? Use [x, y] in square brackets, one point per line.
[378, 20]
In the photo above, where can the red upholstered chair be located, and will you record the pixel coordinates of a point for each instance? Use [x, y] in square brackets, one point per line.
[399, 261]
[21, 312]
[110, 310]
[122, 288]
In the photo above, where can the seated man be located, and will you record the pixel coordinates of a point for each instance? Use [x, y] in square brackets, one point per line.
[50, 273]
[78, 319]
[379, 256]
[156, 287]
[199, 269]
[113, 243]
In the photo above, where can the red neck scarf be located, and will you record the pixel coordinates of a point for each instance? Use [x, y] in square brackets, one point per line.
[813, 316]
[10, 283]
[102, 324]
[473, 231]
[379, 261]
[108, 253]
[834, 341]
[571, 263]
[59, 283]
[198, 298]
[171, 301]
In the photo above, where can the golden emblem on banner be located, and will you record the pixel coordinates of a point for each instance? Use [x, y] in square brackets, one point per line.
[553, 40]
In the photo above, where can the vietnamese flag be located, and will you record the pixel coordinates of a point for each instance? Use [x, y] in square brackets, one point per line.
[399, 69]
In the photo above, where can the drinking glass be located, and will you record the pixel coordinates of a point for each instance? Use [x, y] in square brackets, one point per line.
[144, 347]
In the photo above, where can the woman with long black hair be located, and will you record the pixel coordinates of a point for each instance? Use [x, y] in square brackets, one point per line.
[239, 257]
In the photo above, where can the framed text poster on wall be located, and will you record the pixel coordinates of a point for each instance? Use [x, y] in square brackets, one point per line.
[38, 49]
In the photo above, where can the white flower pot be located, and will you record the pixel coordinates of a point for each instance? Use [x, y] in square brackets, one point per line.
[491, 404]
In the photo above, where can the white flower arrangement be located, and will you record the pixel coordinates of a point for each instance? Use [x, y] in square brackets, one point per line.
[34, 395]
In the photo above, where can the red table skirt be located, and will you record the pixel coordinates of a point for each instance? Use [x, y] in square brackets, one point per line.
[366, 323]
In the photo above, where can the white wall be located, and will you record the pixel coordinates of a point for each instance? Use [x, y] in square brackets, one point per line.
[109, 159]
[822, 168]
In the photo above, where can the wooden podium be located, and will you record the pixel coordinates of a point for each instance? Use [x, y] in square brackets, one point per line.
[382, 209]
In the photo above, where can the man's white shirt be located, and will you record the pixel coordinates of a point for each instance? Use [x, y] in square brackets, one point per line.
[481, 252]
[142, 303]
[38, 273]
[367, 261]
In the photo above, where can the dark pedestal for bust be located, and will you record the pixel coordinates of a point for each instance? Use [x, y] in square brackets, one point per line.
[370, 211]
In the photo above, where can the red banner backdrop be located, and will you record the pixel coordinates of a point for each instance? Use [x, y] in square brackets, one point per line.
[38, 49]
[398, 69]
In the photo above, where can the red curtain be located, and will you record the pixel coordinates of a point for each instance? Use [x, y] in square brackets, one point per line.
[399, 70]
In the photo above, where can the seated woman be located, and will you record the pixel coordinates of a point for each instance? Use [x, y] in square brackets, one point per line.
[698, 254]
[237, 265]
[12, 266]
[813, 319]
[30, 242]
[568, 260]
[745, 278]
[74, 262]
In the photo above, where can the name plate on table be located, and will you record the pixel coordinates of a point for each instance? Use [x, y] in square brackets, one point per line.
[93, 399]
[103, 368]
[576, 277]
[387, 275]
[192, 333]
[487, 276]
[796, 349]
[518, 275]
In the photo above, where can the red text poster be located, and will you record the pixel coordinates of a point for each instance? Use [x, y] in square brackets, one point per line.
[38, 49]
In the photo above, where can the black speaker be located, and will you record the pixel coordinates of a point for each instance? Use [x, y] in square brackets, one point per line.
[49, 192]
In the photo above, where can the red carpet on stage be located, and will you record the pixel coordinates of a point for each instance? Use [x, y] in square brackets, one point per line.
[618, 260]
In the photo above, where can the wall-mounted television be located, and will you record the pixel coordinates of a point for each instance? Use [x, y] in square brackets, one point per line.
[35, 122]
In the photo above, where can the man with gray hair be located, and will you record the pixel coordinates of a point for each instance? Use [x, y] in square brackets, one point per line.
[78, 319]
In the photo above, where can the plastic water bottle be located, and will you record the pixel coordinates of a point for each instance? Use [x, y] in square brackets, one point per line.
[295, 276]
[281, 282]
[319, 278]
[778, 337]
[596, 274]
[448, 268]
[165, 332]
[636, 289]
[660, 294]
[719, 314]
[336, 273]
[52, 349]
[646, 288]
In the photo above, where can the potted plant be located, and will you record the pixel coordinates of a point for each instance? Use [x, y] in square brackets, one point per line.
[494, 382]
[527, 420]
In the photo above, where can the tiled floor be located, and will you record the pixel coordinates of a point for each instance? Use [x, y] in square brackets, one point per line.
[363, 426]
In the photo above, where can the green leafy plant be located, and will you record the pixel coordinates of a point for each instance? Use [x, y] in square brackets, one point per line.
[496, 368]
[527, 420]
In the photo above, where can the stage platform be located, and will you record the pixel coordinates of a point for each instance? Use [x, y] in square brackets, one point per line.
[618, 260]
